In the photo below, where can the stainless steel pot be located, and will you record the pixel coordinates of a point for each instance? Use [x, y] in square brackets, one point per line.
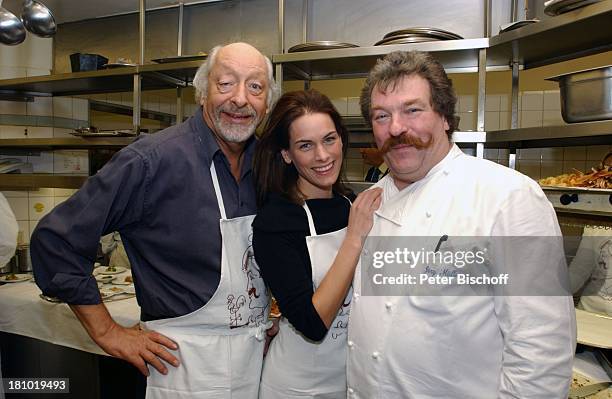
[586, 95]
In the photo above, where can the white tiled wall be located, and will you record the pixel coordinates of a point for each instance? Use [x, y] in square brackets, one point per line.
[30, 206]
[33, 58]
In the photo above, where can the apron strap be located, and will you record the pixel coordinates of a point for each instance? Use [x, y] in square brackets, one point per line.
[215, 181]
[311, 226]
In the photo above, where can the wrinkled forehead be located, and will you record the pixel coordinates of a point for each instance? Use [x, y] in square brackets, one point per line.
[408, 85]
[247, 63]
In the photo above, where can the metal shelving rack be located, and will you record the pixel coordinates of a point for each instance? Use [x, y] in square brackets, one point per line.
[585, 31]
[575, 34]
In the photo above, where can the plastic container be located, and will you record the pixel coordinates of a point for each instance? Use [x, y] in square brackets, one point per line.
[80, 62]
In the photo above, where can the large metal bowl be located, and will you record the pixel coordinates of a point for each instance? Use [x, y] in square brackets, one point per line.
[586, 95]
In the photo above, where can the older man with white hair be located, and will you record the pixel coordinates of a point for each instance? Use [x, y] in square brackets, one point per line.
[183, 201]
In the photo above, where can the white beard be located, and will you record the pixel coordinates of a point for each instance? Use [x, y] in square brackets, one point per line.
[234, 133]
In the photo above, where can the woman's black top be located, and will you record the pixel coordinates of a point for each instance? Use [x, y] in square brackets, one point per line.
[279, 242]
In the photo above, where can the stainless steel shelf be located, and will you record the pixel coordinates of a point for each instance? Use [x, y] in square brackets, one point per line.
[587, 133]
[67, 84]
[154, 77]
[66, 143]
[567, 36]
[34, 181]
[102, 106]
[456, 56]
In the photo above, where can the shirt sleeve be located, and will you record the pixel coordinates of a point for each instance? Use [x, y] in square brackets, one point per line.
[64, 244]
[286, 272]
[539, 331]
[8, 232]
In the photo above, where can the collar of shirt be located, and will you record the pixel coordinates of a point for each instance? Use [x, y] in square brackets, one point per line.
[211, 147]
[392, 196]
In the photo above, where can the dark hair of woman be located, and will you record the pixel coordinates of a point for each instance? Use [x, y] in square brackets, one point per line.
[271, 173]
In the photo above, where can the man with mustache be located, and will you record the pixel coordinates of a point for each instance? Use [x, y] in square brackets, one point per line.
[183, 201]
[452, 340]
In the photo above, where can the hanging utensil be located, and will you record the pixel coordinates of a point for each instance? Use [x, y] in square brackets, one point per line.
[38, 19]
[12, 31]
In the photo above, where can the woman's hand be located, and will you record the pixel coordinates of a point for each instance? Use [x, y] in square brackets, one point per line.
[361, 217]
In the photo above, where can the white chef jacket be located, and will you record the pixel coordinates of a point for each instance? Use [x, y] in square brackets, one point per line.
[462, 346]
[8, 243]
[8, 231]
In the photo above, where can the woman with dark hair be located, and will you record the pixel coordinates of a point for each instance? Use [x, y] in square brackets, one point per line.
[307, 240]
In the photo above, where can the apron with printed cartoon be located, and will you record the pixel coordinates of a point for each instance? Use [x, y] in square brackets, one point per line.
[221, 344]
[296, 367]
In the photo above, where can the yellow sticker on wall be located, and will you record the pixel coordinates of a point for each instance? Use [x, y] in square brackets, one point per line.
[39, 207]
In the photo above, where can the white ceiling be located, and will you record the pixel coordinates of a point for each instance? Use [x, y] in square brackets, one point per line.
[77, 10]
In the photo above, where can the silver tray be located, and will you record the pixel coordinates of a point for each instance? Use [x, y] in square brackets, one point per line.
[557, 7]
[579, 189]
[405, 40]
[320, 45]
[516, 25]
[104, 133]
[180, 58]
[425, 31]
[114, 65]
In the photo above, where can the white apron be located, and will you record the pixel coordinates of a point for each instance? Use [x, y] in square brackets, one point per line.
[220, 344]
[296, 367]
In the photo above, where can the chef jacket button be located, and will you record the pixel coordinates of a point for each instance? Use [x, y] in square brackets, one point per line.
[428, 214]
[356, 295]
[351, 391]
[446, 172]
[375, 355]
[350, 344]
[388, 305]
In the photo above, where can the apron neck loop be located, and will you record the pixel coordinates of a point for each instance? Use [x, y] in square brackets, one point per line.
[311, 226]
[215, 181]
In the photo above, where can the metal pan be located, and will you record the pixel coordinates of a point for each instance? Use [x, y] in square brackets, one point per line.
[320, 45]
[431, 32]
[557, 7]
[586, 95]
[114, 65]
[516, 25]
[167, 60]
[405, 40]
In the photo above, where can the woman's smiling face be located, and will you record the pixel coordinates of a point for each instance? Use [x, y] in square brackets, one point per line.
[315, 149]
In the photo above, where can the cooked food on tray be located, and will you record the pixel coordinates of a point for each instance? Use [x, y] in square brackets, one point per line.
[599, 177]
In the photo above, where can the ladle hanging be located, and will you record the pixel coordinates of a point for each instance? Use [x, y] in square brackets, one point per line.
[12, 31]
[38, 19]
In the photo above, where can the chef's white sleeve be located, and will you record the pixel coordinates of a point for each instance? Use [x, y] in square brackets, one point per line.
[8, 232]
[539, 331]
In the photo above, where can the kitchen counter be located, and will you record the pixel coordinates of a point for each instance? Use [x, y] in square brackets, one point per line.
[24, 313]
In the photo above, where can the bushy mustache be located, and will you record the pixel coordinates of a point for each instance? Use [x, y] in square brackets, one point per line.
[230, 109]
[404, 139]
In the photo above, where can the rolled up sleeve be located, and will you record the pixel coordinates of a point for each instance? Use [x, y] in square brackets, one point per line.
[64, 244]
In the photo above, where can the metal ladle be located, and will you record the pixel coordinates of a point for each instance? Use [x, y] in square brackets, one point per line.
[12, 31]
[38, 19]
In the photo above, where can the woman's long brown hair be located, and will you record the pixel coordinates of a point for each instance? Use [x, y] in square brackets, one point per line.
[271, 173]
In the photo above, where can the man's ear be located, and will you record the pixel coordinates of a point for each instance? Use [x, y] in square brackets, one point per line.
[286, 157]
